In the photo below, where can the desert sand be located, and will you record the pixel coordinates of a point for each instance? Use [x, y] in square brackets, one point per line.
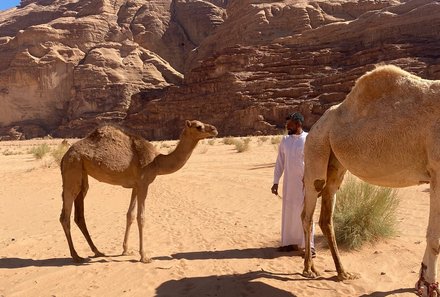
[212, 229]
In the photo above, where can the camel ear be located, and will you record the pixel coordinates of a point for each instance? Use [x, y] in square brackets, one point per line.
[188, 123]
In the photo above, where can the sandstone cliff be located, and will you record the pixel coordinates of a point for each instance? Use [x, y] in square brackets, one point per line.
[66, 66]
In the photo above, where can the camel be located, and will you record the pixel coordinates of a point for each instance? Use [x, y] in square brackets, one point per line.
[387, 133]
[111, 155]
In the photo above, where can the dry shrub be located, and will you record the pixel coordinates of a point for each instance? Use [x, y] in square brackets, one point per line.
[263, 138]
[164, 145]
[364, 213]
[228, 140]
[211, 141]
[276, 139]
[241, 145]
[8, 152]
[40, 151]
[59, 152]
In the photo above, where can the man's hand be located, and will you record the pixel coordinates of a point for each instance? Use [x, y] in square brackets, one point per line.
[274, 189]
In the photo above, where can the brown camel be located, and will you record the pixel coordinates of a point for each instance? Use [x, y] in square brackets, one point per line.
[386, 132]
[114, 156]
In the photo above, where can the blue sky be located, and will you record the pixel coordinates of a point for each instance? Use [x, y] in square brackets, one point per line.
[5, 4]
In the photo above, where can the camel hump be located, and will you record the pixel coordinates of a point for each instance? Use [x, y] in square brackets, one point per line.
[137, 145]
[107, 131]
[382, 83]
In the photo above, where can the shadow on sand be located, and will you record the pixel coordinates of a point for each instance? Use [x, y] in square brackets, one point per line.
[390, 293]
[233, 285]
[11, 263]
[262, 166]
[262, 253]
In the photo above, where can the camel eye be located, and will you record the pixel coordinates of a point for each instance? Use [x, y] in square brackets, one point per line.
[199, 128]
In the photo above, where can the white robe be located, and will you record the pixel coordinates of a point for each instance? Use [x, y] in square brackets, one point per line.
[290, 161]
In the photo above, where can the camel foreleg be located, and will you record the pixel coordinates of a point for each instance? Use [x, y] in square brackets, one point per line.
[307, 219]
[335, 175]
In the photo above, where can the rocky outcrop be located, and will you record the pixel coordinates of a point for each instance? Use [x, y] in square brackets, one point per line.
[249, 89]
[63, 61]
[240, 65]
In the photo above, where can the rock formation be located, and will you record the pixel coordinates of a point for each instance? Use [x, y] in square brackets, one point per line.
[66, 66]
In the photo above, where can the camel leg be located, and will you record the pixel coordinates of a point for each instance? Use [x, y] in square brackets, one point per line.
[335, 175]
[130, 220]
[79, 215]
[316, 157]
[142, 195]
[68, 198]
[430, 258]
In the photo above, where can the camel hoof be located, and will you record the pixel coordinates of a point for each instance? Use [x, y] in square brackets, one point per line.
[145, 259]
[310, 273]
[426, 289]
[347, 276]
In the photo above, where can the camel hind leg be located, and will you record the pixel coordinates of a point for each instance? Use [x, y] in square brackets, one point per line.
[79, 214]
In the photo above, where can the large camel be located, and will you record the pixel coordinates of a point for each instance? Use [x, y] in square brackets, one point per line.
[116, 157]
[386, 132]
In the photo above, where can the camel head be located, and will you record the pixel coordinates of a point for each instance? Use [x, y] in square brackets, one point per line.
[198, 130]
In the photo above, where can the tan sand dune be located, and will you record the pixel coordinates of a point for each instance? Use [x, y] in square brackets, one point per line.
[211, 230]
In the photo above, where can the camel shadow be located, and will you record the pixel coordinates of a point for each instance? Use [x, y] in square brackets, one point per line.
[12, 263]
[390, 293]
[233, 285]
[262, 253]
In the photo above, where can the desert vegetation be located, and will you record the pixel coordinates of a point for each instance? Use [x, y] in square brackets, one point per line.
[364, 213]
[40, 151]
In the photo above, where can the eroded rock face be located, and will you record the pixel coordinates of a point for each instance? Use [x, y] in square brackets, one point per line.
[250, 89]
[66, 60]
[68, 65]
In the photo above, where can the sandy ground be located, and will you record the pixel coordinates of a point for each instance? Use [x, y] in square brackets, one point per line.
[212, 230]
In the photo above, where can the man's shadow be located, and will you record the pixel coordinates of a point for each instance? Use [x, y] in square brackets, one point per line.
[233, 285]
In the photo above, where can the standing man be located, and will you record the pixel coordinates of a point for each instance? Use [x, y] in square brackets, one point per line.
[290, 161]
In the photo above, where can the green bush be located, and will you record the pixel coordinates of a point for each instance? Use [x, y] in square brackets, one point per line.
[364, 213]
[40, 151]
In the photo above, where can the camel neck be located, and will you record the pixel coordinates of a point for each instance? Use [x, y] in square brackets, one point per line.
[172, 162]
